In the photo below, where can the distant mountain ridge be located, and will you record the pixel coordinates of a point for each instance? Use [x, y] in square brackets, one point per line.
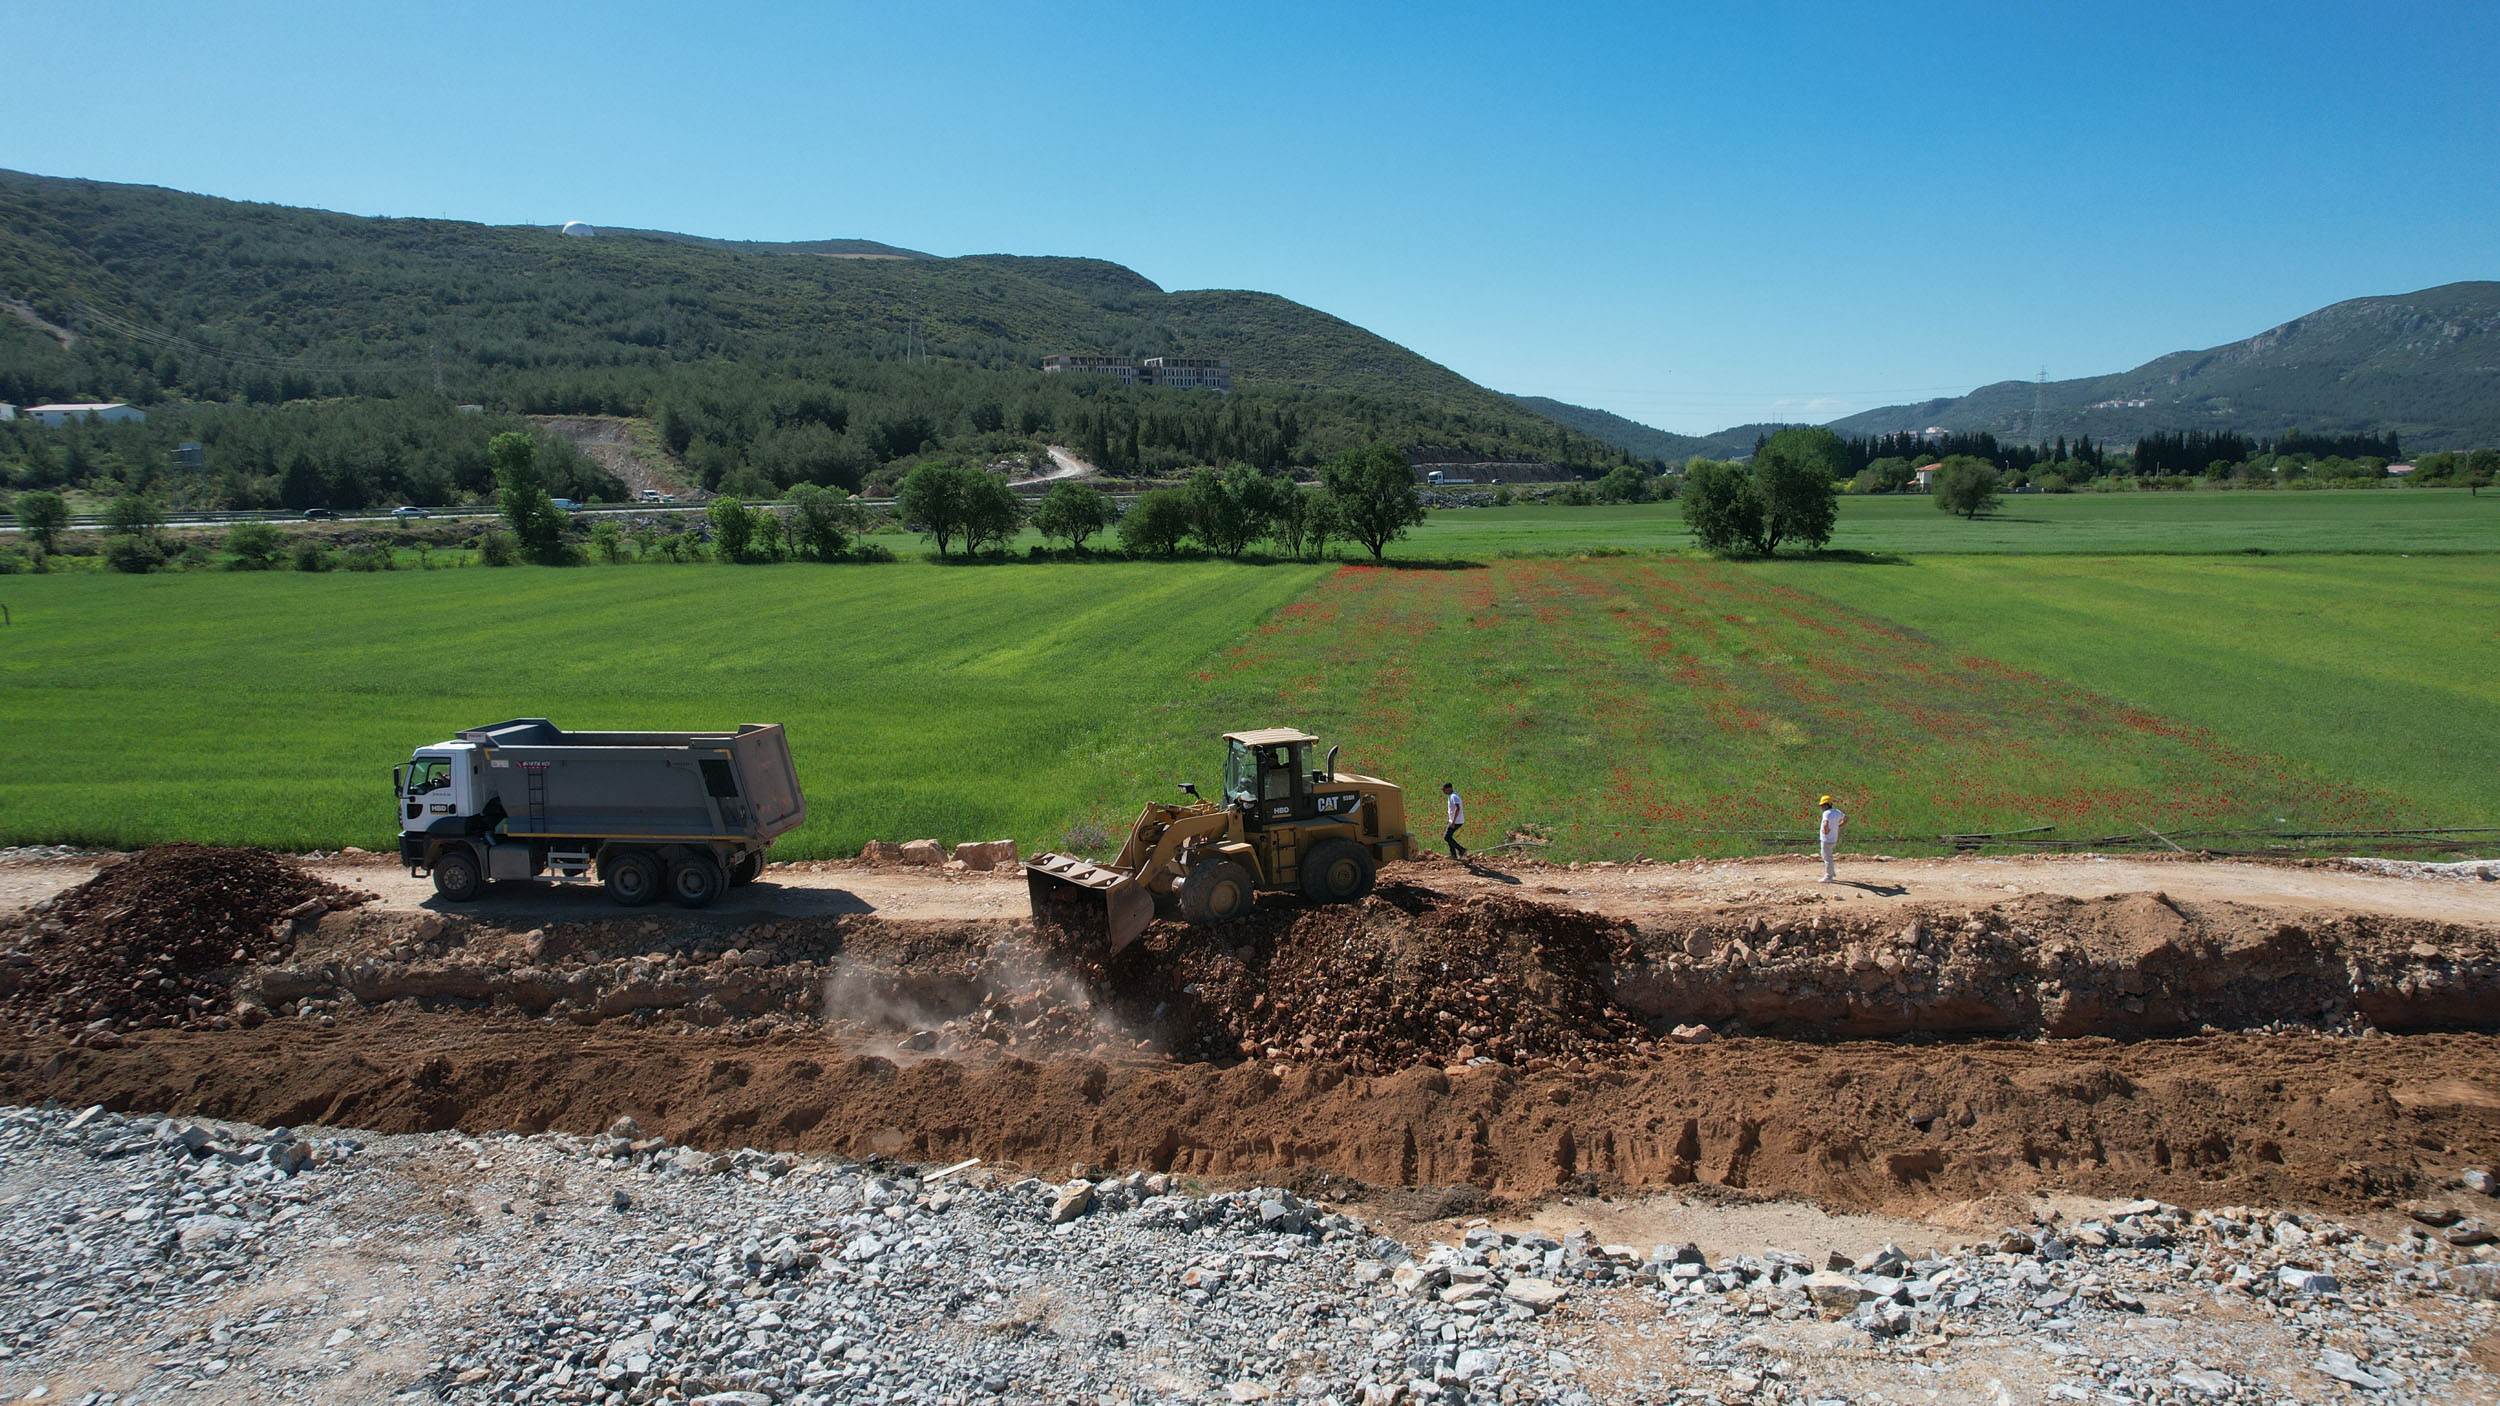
[829, 248]
[2424, 365]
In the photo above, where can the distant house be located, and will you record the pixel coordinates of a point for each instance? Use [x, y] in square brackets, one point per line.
[1925, 476]
[109, 411]
[2398, 470]
[1119, 367]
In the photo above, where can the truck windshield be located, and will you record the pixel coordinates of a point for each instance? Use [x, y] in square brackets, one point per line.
[424, 776]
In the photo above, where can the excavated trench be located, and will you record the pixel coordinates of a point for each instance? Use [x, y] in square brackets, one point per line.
[2201, 1052]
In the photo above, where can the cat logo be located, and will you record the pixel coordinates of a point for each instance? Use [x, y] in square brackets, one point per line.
[1332, 805]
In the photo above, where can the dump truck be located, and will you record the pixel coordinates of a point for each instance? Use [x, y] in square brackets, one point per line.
[1280, 824]
[685, 814]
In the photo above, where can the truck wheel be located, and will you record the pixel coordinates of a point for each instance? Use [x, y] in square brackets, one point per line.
[634, 877]
[456, 876]
[1217, 891]
[1338, 871]
[747, 870]
[695, 880]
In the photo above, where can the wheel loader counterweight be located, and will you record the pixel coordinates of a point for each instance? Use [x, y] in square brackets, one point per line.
[1280, 824]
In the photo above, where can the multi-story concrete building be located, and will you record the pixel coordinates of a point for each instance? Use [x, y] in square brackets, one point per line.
[1189, 373]
[1119, 366]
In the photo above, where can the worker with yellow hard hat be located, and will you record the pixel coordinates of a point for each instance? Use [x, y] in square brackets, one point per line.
[1831, 820]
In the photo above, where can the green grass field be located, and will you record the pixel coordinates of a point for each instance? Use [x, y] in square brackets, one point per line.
[1651, 702]
[269, 709]
[2393, 520]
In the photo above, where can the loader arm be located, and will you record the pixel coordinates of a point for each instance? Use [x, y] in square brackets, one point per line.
[1121, 893]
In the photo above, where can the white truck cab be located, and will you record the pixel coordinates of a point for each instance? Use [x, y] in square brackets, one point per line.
[439, 781]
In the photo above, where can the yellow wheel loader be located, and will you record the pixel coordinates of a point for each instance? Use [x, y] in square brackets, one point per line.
[1280, 824]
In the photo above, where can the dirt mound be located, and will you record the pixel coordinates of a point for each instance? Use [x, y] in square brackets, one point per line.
[2213, 1120]
[1404, 977]
[156, 937]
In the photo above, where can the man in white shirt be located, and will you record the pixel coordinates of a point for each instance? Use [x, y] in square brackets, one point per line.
[1458, 817]
[1833, 819]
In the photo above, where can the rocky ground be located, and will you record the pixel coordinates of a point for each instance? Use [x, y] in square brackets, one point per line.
[155, 1258]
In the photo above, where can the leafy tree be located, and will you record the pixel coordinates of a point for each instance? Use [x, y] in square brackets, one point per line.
[823, 521]
[495, 547]
[1073, 512]
[607, 541]
[2053, 483]
[1796, 473]
[2481, 466]
[1322, 518]
[1156, 523]
[1720, 505]
[522, 495]
[134, 515]
[1377, 500]
[43, 517]
[1886, 475]
[992, 512]
[1302, 516]
[733, 528]
[1966, 485]
[937, 497]
[311, 555]
[1230, 510]
[257, 546]
[1625, 483]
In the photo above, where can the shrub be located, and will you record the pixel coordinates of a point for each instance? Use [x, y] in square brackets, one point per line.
[496, 547]
[1624, 483]
[367, 556]
[196, 555]
[607, 541]
[257, 546]
[2052, 483]
[13, 561]
[136, 555]
[310, 555]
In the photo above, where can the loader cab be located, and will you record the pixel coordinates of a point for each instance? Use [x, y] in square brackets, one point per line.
[1267, 776]
[439, 782]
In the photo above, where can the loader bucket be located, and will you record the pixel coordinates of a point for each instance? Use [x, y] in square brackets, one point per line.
[1072, 892]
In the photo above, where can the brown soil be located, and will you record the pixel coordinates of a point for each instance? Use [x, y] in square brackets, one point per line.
[154, 938]
[2211, 1120]
[1459, 1030]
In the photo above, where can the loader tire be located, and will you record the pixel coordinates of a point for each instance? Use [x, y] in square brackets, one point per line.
[747, 870]
[634, 878]
[1338, 871]
[695, 880]
[457, 879]
[1216, 891]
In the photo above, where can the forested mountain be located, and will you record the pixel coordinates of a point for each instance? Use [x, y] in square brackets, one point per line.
[2424, 366]
[1631, 435]
[758, 361]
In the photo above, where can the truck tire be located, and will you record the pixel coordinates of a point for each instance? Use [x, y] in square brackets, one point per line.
[634, 877]
[747, 870]
[1216, 891]
[1338, 871]
[457, 879]
[694, 880]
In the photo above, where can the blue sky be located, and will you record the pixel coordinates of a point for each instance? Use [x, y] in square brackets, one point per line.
[1694, 216]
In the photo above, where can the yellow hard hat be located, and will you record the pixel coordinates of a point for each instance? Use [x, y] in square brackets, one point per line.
[1825, 801]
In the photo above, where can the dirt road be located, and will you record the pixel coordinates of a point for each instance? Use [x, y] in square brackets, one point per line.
[836, 888]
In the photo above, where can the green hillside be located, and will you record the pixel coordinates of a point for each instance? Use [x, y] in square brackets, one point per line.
[1629, 435]
[764, 364]
[2422, 365]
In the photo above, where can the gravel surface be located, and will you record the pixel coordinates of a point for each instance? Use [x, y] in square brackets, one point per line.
[156, 1258]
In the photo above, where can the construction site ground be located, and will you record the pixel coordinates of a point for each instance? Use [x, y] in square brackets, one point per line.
[1726, 1052]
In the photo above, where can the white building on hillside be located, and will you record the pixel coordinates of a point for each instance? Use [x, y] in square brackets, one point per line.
[109, 411]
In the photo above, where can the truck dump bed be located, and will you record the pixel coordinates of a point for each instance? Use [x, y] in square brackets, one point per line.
[684, 785]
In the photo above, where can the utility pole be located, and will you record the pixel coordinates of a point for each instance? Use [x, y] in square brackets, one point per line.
[2039, 400]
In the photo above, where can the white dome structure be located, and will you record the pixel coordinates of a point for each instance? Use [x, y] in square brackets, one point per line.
[579, 229]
